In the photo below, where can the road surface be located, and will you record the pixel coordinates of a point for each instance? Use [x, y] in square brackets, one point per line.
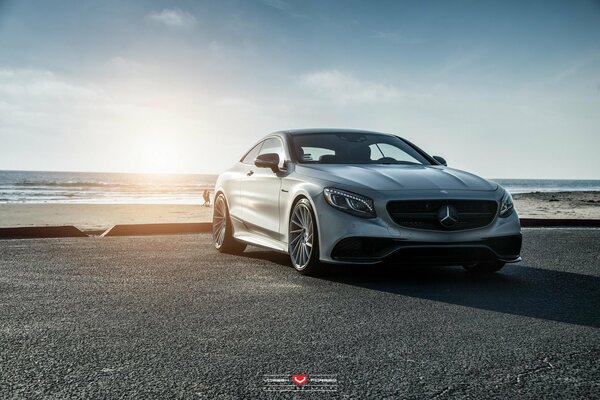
[168, 317]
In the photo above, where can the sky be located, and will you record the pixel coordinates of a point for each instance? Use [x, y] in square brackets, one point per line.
[503, 89]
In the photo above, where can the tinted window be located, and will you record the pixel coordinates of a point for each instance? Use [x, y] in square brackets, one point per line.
[355, 148]
[251, 155]
[391, 153]
[315, 153]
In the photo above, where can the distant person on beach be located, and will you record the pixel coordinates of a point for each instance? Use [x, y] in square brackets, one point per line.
[206, 196]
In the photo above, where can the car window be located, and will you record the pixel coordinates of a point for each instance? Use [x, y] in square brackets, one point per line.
[273, 145]
[355, 148]
[383, 151]
[251, 155]
[315, 153]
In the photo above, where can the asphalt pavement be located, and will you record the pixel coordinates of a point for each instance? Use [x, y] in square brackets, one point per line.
[169, 317]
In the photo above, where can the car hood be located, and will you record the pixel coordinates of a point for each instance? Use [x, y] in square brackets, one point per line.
[397, 177]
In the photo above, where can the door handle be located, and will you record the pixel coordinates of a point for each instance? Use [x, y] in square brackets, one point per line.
[249, 173]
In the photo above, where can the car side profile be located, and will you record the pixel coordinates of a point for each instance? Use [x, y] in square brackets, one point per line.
[327, 196]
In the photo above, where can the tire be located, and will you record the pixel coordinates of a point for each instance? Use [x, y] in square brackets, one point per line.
[484, 268]
[223, 239]
[303, 239]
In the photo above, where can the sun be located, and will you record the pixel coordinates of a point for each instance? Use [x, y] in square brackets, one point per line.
[158, 156]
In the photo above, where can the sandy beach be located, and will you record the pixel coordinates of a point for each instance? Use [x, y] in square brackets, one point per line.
[577, 205]
[93, 217]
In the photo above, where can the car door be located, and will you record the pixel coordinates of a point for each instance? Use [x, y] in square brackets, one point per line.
[260, 191]
[235, 177]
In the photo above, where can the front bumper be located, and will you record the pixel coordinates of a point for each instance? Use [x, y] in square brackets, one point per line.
[374, 250]
[345, 239]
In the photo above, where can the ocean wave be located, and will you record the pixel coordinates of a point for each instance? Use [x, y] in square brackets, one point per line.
[82, 187]
[63, 184]
[102, 184]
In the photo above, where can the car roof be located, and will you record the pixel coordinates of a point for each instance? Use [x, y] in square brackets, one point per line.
[295, 132]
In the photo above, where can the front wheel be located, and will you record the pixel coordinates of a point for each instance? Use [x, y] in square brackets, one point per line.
[484, 268]
[303, 239]
[223, 239]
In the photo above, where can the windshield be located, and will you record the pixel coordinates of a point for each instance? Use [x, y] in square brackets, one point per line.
[355, 148]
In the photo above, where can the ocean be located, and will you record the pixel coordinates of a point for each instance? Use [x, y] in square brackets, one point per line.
[102, 188]
[120, 188]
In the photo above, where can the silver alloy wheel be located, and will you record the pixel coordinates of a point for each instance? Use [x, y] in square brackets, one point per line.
[301, 236]
[219, 222]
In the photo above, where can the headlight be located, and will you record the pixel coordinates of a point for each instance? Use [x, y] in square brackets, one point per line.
[506, 205]
[349, 202]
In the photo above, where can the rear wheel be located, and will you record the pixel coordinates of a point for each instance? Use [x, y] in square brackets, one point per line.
[223, 239]
[484, 268]
[303, 239]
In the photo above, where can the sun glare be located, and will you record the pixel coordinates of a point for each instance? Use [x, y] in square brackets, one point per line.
[157, 156]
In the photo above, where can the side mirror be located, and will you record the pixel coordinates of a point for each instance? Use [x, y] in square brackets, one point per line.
[268, 160]
[441, 160]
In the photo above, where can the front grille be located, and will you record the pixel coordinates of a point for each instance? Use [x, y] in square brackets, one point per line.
[427, 214]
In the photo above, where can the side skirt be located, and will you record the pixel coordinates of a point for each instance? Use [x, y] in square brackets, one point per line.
[241, 233]
[261, 241]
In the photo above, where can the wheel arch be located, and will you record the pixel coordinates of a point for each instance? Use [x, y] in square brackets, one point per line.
[303, 194]
[221, 191]
[235, 224]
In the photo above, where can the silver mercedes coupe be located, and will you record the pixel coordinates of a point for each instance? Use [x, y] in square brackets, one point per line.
[357, 197]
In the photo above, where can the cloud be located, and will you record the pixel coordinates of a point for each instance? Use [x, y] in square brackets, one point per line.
[282, 6]
[343, 88]
[41, 85]
[575, 68]
[215, 47]
[237, 102]
[36, 105]
[397, 37]
[462, 61]
[120, 64]
[172, 18]
[278, 4]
